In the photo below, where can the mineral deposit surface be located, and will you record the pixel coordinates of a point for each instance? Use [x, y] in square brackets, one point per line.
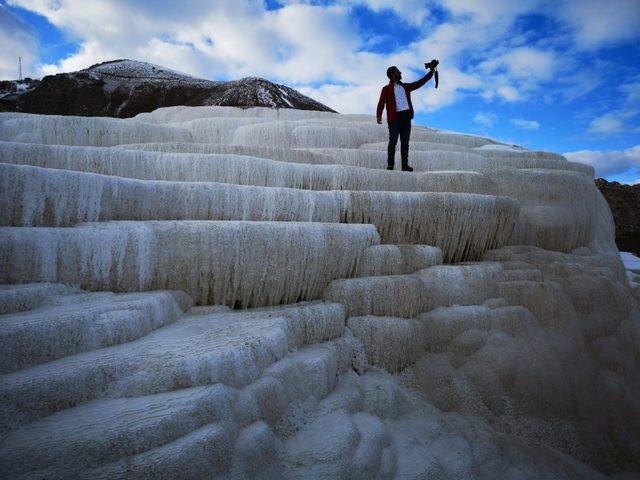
[216, 292]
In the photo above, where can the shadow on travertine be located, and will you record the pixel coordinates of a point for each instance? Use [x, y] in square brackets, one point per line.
[217, 292]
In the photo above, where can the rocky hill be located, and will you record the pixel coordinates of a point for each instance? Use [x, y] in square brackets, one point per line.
[12, 90]
[624, 201]
[124, 88]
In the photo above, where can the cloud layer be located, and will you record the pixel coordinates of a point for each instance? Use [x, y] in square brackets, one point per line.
[17, 40]
[525, 124]
[607, 163]
[318, 48]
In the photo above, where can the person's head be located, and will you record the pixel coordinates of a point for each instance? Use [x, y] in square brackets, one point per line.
[394, 74]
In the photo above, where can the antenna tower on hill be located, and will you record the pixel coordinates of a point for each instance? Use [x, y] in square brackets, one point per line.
[20, 68]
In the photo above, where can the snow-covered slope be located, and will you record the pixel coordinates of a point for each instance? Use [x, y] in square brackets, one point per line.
[216, 292]
[135, 70]
[124, 88]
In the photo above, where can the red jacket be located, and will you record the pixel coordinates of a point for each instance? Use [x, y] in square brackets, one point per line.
[388, 97]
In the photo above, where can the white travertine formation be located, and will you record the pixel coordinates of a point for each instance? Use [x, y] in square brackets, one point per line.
[409, 295]
[335, 133]
[480, 159]
[4, 116]
[632, 265]
[390, 342]
[32, 196]
[565, 333]
[27, 296]
[95, 321]
[96, 131]
[397, 259]
[282, 154]
[371, 351]
[238, 263]
[556, 207]
[216, 130]
[238, 169]
[182, 114]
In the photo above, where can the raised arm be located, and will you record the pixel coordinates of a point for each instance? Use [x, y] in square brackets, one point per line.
[415, 85]
[381, 102]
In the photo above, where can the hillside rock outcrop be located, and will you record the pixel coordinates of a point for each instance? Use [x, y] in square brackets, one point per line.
[125, 88]
[624, 201]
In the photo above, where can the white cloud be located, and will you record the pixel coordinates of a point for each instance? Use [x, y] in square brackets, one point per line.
[523, 63]
[609, 162]
[411, 11]
[320, 42]
[317, 48]
[298, 43]
[632, 91]
[485, 119]
[613, 123]
[579, 83]
[303, 45]
[519, 73]
[525, 124]
[597, 23]
[484, 12]
[345, 98]
[624, 118]
[504, 92]
[17, 40]
[454, 85]
[482, 40]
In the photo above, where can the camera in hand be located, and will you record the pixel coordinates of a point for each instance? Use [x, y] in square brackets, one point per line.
[432, 64]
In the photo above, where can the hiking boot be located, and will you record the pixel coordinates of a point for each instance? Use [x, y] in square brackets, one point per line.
[390, 168]
[407, 168]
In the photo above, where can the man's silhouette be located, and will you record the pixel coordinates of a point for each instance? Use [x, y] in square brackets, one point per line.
[396, 96]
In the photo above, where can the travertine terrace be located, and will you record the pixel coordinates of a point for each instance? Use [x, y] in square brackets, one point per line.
[216, 292]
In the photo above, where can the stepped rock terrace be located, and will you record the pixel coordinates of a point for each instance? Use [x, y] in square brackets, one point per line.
[216, 292]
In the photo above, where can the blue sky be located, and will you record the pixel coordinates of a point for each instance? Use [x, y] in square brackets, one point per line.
[559, 75]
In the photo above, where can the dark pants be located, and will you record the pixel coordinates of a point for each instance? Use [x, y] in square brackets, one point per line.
[402, 127]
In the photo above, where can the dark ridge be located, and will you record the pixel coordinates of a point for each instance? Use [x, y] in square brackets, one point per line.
[124, 88]
[624, 202]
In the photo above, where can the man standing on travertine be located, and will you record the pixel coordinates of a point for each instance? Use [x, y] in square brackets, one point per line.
[396, 96]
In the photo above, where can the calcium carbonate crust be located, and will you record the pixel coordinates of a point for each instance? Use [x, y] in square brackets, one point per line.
[217, 292]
